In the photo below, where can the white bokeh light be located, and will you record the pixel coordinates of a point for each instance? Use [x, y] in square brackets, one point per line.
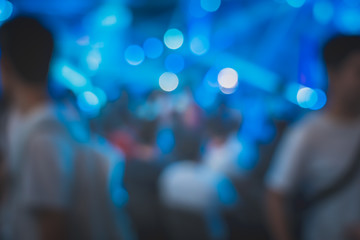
[173, 38]
[228, 78]
[168, 81]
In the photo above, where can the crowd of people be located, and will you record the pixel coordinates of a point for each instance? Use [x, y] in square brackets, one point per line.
[161, 167]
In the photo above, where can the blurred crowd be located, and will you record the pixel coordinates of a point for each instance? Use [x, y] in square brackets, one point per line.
[158, 166]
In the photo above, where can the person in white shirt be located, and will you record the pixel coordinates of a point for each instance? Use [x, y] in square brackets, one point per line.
[317, 151]
[57, 182]
[193, 187]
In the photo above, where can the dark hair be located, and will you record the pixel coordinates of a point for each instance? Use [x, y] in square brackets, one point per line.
[28, 45]
[339, 48]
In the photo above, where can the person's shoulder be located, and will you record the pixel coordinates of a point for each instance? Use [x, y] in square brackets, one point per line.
[307, 124]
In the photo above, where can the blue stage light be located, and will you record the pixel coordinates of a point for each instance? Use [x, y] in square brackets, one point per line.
[93, 59]
[74, 77]
[89, 103]
[199, 45]
[173, 38]
[210, 5]
[68, 76]
[168, 81]
[174, 63]
[321, 100]
[153, 48]
[134, 55]
[114, 16]
[323, 11]
[101, 95]
[296, 3]
[6, 9]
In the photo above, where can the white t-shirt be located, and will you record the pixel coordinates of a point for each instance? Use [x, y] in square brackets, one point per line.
[40, 168]
[50, 169]
[312, 156]
[195, 187]
[225, 158]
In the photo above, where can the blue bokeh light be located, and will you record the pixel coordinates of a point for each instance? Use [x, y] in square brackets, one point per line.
[323, 11]
[348, 19]
[89, 103]
[210, 5]
[134, 55]
[173, 38]
[174, 63]
[321, 100]
[199, 45]
[101, 95]
[93, 59]
[114, 16]
[6, 9]
[153, 48]
[307, 97]
[296, 3]
[70, 77]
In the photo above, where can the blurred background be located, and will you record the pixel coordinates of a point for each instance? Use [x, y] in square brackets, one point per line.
[210, 81]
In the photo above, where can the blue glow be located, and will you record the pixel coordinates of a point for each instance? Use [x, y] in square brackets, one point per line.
[168, 81]
[321, 100]
[348, 20]
[174, 63]
[352, 3]
[307, 97]
[134, 55]
[89, 103]
[196, 10]
[83, 41]
[119, 196]
[6, 10]
[76, 79]
[210, 5]
[211, 78]
[153, 48]
[173, 38]
[296, 3]
[91, 98]
[248, 157]
[323, 11]
[112, 93]
[93, 59]
[101, 95]
[227, 192]
[165, 140]
[206, 96]
[199, 45]
[249, 72]
[291, 92]
[69, 76]
[114, 16]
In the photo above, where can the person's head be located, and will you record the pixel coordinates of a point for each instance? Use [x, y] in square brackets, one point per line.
[342, 58]
[26, 51]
